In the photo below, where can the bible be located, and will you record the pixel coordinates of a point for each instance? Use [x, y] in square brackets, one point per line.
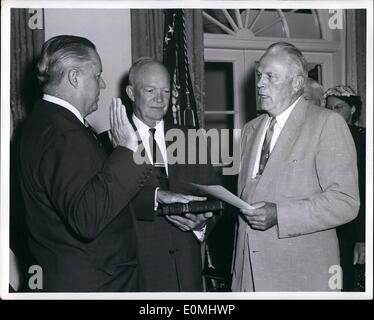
[194, 207]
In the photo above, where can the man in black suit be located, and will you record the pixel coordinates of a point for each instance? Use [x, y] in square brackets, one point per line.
[169, 248]
[80, 201]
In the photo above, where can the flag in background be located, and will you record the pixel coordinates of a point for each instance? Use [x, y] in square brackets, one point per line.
[182, 107]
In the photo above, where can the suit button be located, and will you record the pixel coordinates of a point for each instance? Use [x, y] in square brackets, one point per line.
[171, 251]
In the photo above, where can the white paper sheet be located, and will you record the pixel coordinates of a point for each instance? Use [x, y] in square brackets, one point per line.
[221, 193]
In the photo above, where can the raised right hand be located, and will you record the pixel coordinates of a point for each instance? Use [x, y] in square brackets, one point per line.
[121, 133]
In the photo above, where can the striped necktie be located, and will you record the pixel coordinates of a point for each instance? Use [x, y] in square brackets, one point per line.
[265, 150]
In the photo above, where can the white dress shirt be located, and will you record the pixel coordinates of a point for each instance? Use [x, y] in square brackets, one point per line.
[281, 121]
[143, 131]
[65, 104]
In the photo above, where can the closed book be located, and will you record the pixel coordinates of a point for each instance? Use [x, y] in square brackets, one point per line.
[194, 207]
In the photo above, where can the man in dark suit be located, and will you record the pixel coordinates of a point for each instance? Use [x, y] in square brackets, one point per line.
[79, 200]
[169, 248]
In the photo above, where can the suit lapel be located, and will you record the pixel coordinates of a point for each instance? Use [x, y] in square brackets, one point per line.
[250, 147]
[283, 146]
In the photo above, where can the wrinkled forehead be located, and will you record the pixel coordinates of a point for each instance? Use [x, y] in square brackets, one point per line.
[276, 62]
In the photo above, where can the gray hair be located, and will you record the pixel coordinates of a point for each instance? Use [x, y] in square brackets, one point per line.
[296, 59]
[60, 52]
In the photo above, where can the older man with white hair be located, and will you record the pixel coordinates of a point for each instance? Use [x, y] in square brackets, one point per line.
[299, 173]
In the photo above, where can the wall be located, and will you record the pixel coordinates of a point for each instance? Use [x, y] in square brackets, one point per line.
[110, 31]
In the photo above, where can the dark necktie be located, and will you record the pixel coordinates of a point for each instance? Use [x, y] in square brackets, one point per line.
[158, 160]
[265, 150]
[92, 132]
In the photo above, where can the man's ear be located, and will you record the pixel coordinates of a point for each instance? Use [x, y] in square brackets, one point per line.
[353, 109]
[130, 92]
[298, 83]
[73, 77]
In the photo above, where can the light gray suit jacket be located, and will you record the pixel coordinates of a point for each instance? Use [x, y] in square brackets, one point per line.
[311, 176]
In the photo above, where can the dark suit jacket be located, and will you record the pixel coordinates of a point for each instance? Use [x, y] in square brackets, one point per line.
[354, 231]
[80, 221]
[170, 259]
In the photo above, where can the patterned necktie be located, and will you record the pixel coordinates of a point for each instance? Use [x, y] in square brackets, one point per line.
[265, 150]
[158, 160]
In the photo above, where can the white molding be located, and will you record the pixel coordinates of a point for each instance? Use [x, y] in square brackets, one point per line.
[225, 42]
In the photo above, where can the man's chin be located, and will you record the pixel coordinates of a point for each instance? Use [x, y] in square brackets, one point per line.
[93, 108]
[264, 105]
[159, 114]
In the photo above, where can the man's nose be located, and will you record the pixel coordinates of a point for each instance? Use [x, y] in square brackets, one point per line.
[260, 82]
[102, 84]
[158, 96]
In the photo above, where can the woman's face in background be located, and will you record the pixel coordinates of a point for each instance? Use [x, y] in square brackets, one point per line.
[341, 107]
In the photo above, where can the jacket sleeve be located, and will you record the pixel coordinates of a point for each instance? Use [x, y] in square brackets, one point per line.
[88, 191]
[338, 200]
[144, 202]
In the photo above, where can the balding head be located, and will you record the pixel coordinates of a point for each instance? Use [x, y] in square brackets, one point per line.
[143, 66]
[149, 90]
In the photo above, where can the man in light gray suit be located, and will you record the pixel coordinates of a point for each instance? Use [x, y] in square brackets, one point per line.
[298, 170]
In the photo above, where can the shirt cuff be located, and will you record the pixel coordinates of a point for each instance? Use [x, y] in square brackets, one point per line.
[200, 234]
[155, 207]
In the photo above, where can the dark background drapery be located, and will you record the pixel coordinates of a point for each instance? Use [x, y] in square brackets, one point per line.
[195, 46]
[24, 90]
[356, 56]
[147, 29]
[361, 61]
[25, 48]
